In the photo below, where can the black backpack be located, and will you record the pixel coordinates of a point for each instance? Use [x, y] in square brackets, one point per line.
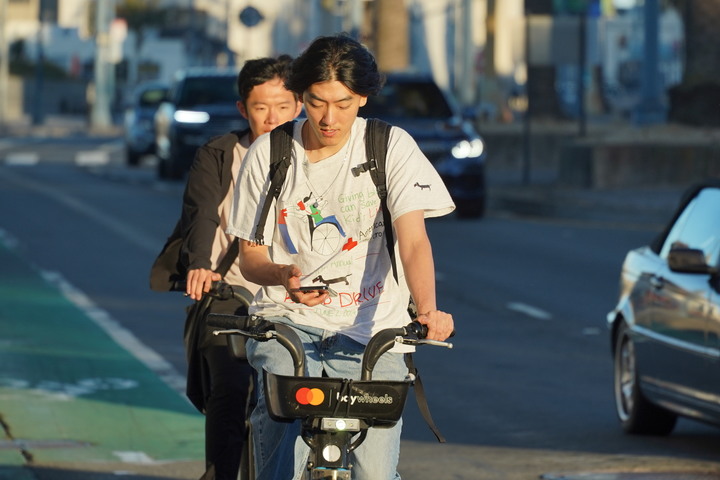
[377, 134]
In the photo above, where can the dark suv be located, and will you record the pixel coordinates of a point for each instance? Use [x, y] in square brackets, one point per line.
[201, 104]
[415, 103]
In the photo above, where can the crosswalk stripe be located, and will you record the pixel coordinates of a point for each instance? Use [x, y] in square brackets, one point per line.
[92, 158]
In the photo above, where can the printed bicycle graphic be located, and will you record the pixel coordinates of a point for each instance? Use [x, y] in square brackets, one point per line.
[325, 232]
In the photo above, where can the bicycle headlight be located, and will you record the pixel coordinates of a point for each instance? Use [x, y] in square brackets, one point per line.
[189, 116]
[340, 424]
[468, 148]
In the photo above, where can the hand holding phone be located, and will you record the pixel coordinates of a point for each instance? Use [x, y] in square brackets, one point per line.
[314, 288]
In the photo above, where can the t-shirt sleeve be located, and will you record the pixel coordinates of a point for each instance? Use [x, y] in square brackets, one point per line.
[413, 182]
[251, 189]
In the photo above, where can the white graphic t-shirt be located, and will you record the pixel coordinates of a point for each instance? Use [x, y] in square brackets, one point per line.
[328, 221]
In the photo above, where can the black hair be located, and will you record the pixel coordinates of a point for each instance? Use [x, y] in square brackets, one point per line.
[340, 58]
[260, 70]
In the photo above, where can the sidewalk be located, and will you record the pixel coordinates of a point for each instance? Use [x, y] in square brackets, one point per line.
[650, 207]
[55, 126]
[76, 405]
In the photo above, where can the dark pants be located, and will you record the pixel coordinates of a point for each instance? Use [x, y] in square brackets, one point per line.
[231, 384]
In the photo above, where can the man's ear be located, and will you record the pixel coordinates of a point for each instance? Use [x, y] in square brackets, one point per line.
[363, 101]
[241, 108]
[298, 108]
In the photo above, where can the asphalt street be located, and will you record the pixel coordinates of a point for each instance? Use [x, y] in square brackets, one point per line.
[75, 404]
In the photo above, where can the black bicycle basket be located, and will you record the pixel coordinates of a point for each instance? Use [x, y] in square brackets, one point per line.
[377, 401]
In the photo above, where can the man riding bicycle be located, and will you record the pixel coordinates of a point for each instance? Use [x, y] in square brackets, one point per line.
[334, 77]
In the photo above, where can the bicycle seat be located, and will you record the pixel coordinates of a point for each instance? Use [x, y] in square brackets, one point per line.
[378, 402]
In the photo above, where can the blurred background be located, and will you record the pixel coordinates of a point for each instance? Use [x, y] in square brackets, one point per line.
[598, 60]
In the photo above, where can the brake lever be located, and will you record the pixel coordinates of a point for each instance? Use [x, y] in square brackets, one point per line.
[415, 341]
[261, 337]
[436, 343]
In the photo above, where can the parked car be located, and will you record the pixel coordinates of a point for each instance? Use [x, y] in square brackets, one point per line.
[139, 120]
[417, 104]
[201, 104]
[665, 329]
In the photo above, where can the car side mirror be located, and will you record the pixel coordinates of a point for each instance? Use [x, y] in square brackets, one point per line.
[689, 260]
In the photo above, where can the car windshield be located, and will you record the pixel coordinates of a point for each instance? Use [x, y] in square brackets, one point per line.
[208, 91]
[412, 99]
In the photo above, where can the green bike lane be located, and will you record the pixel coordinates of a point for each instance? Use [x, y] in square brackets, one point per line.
[70, 394]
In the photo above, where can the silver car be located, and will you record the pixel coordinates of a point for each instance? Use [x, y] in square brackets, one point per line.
[139, 120]
[665, 329]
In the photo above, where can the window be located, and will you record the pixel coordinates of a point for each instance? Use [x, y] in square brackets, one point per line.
[152, 97]
[208, 91]
[698, 226]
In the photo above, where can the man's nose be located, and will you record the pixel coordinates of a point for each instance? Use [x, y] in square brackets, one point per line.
[272, 116]
[329, 117]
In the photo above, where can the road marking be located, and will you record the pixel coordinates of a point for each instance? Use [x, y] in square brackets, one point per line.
[135, 457]
[92, 158]
[117, 332]
[529, 310]
[22, 158]
[63, 391]
[133, 235]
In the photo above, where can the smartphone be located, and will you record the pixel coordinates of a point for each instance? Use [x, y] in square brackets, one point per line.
[313, 288]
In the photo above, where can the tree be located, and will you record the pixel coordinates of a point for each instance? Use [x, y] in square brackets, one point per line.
[702, 38]
[695, 100]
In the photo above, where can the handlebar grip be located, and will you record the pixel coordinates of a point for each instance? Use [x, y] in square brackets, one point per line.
[420, 331]
[227, 321]
[417, 329]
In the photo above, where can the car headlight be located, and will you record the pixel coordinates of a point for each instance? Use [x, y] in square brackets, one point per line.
[189, 116]
[468, 148]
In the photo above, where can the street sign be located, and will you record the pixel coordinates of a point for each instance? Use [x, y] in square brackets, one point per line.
[250, 16]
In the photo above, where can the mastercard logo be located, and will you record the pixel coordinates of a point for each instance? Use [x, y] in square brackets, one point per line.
[309, 396]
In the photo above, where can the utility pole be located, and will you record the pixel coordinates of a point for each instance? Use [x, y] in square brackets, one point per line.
[4, 63]
[38, 110]
[650, 109]
[104, 72]
[467, 84]
[355, 17]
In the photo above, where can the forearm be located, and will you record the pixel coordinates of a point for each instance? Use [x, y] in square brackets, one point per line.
[256, 266]
[417, 260]
[419, 270]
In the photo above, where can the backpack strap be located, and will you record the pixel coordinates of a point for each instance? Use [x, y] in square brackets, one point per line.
[421, 399]
[229, 258]
[377, 134]
[280, 155]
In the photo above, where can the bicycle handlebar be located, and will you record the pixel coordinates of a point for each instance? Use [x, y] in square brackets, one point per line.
[258, 328]
[219, 290]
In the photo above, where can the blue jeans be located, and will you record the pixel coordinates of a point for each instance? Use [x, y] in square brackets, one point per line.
[280, 453]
